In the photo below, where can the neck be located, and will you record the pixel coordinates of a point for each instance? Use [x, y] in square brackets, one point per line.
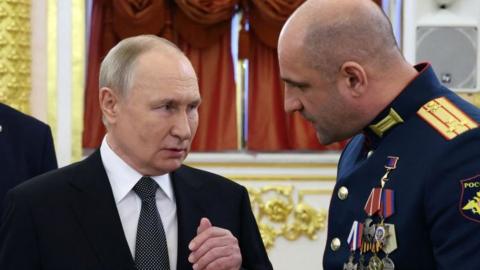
[386, 86]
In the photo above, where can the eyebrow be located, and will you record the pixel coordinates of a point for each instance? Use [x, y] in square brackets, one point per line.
[196, 101]
[294, 83]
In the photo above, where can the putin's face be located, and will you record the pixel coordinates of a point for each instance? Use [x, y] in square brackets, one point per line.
[156, 120]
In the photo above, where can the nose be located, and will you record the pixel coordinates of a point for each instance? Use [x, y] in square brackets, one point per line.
[291, 102]
[181, 127]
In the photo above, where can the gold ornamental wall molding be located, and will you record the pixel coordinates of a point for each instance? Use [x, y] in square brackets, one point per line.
[289, 192]
[279, 213]
[15, 56]
[286, 177]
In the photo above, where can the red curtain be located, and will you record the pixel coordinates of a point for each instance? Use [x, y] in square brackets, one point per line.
[112, 21]
[200, 29]
[269, 127]
[203, 29]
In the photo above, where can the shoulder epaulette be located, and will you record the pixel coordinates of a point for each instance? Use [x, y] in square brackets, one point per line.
[446, 118]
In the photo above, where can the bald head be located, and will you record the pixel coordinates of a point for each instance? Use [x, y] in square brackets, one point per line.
[117, 69]
[331, 32]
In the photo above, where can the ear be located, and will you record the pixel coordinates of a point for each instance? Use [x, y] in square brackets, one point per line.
[109, 104]
[353, 79]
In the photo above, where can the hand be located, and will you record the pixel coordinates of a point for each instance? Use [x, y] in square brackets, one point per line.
[214, 248]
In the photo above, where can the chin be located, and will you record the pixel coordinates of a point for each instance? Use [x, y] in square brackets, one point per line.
[172, 165]
[325, 140]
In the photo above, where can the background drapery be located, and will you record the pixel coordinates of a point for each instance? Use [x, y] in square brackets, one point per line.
[112, 21]
[203, 34]
[269, 127]
[202, 31]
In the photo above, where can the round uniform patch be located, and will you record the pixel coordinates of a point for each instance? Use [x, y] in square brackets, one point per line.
[470, 200]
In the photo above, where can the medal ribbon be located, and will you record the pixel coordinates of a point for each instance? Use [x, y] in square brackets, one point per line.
[391, 163]
[355, 237]
[388, 203]
[373, 204]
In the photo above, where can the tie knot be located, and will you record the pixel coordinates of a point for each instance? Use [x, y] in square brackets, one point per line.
[146, 188]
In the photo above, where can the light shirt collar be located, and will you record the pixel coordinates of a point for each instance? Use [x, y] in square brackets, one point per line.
[123, 177]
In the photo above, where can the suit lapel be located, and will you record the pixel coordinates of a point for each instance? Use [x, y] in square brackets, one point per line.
[189, 211]
[94, 205]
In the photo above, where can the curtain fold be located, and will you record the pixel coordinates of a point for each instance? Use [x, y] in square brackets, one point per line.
[270, 128]
[202, 31]
[93, 129]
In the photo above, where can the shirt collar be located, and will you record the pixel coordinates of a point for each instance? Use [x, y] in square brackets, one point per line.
[123, 177]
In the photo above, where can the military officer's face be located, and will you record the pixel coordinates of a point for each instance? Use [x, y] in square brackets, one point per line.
[312, 95]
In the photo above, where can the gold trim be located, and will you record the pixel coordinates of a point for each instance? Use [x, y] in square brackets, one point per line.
[304, 192]
[78, 67]
[15, 54]
[313, 178]
[52, 67]
[260, 165]
[446, 118]
[279, 215]
[392, 119]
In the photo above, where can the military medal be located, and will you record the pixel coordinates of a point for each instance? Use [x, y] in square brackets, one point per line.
[354, 241]
[361, 262]
[390, 165]
[374, 202]
[391, 243]
[368, 235]
[388, 263]
[350, 265]
[371, 236]
[375, 263]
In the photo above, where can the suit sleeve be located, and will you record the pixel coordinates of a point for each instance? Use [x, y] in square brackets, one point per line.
[18, 243]
[455, 237]
[254, 256]
[49, 159]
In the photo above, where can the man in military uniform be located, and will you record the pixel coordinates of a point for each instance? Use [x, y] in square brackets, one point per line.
[408, 189]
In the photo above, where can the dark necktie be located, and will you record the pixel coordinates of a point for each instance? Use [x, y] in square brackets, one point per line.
[151, 252]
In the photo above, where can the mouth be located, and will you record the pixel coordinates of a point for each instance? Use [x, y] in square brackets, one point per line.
[176, 152]
[308, 118]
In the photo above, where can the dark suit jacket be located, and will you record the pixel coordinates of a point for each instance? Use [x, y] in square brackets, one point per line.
[26, 149]
[67, 219]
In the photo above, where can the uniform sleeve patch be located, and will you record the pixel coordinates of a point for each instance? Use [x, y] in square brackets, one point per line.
[469, 205]
[446, 118]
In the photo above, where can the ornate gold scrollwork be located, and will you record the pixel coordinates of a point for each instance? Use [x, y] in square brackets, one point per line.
[15, 57]
[279, 216]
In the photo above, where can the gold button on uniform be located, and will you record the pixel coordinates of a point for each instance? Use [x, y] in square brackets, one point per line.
[342, 193]
[335, 244]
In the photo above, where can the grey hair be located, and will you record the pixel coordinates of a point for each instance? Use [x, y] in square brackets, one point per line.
[116, 70]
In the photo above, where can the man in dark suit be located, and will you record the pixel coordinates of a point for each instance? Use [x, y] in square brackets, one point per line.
[414, 201]
[26, 149]
[132, 204]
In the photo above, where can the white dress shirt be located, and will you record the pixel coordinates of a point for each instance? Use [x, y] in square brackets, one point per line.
[122, 179]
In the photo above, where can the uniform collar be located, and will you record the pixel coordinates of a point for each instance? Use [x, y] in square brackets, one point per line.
[424, 87]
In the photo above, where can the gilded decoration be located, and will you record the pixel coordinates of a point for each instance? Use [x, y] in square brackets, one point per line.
[15, 55]
[278, 214]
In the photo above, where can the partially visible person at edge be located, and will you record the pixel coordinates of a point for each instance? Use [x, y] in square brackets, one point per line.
[413, 202]
[101, 213]
[26, 149]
